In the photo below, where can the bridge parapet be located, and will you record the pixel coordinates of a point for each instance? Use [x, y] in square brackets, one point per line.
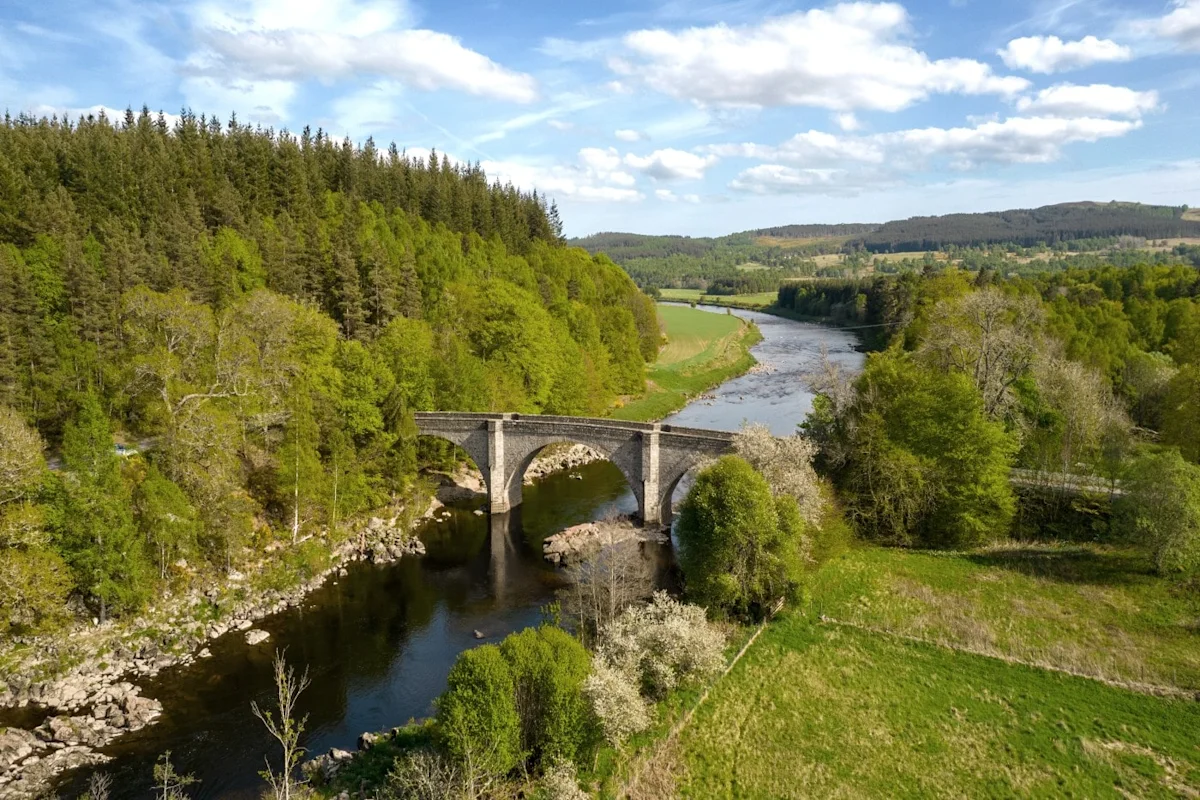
[653, 457]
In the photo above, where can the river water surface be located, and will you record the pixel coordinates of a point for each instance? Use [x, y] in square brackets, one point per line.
[379, 642]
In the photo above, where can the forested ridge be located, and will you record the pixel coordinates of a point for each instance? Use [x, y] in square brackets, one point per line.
[1047, 225]
[261, 312]
[1053, 237]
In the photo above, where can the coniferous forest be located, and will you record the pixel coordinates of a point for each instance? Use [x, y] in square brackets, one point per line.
[259, 313]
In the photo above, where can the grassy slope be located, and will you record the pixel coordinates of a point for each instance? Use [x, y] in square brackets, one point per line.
[703, 349]
[829, 704]
[756, 300]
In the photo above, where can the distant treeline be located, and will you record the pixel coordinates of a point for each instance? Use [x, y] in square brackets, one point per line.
[1047, 225]
[817, 231]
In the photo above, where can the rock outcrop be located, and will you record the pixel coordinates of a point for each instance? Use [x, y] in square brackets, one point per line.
[579, 542]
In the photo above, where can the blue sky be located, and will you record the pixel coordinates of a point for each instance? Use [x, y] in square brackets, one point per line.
[667, 116]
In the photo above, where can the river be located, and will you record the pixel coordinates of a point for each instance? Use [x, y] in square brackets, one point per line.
[379, 642]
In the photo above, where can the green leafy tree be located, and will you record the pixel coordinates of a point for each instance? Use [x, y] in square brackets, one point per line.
[549, 667]
[1181, 416]
[166, 517]
[104, 546]
[1162, 508]
[741, 549]
[477, 718]
[923, 463]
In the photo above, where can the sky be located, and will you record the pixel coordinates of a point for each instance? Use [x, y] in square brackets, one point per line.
[699, 118]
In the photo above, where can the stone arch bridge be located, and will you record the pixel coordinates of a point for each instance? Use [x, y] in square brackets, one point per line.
[653, 457]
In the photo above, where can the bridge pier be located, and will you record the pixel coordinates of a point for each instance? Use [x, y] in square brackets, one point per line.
[499, 501]
[652, 457]
[651, 510]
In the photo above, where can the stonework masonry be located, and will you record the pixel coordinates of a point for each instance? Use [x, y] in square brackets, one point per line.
[653, 457]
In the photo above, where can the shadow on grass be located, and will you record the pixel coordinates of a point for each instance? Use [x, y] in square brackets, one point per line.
[1071, 564]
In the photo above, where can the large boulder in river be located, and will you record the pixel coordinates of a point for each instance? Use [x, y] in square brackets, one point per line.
[16, 745]
[256, 636]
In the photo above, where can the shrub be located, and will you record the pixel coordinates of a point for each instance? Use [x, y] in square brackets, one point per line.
[740, 548]
[786, 463]
[425, 775]
[1162, 507]
[34, 586]
[662, 645]
[559, 783]
[548, 668]
[477, 717]
[616, 701]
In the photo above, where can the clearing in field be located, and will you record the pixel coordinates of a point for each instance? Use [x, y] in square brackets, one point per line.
[694, 335]
[791, 243]
[748, 301]
[703, 349]
[913, 674]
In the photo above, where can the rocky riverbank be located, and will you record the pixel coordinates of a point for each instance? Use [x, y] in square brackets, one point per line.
[81, 681]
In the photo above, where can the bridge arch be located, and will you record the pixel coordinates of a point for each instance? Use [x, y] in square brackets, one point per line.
[530, 450]
[652, 457]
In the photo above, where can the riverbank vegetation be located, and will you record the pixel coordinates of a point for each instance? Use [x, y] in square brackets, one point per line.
[1004, 660]
[702, 350]
[258, 314]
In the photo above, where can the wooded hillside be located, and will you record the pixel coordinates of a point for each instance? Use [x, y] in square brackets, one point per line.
[261, 313]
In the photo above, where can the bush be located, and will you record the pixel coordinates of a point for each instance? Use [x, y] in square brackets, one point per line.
[425, 775]
[741, 548]
[1162, 508]
[786, 463]
[34, 585]
[616, 701]
[559, 783]
[548, 668]
[477, 719]
[663, 645]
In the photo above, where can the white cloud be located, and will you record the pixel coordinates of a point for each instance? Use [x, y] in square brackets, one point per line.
[1017, 140]
[667, 196]
[596, 176]
[1047, 54]
[779, 179]
[1182, 25]
[810, 149]
[671, 165]
[1098, 99]
[626, 135]
[279, 40]
[816, 161]
[847, 121]
[852, 55]
[257, 101]
[561, 125]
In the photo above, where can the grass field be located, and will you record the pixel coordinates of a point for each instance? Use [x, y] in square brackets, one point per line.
[749, 301]
[703, 349]
[790, 243]
[1192, 214]
[911, 674]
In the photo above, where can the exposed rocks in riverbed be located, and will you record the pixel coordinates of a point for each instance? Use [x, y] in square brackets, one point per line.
[256, 636]
[577, 455]
[580, 541]
[91, 706]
